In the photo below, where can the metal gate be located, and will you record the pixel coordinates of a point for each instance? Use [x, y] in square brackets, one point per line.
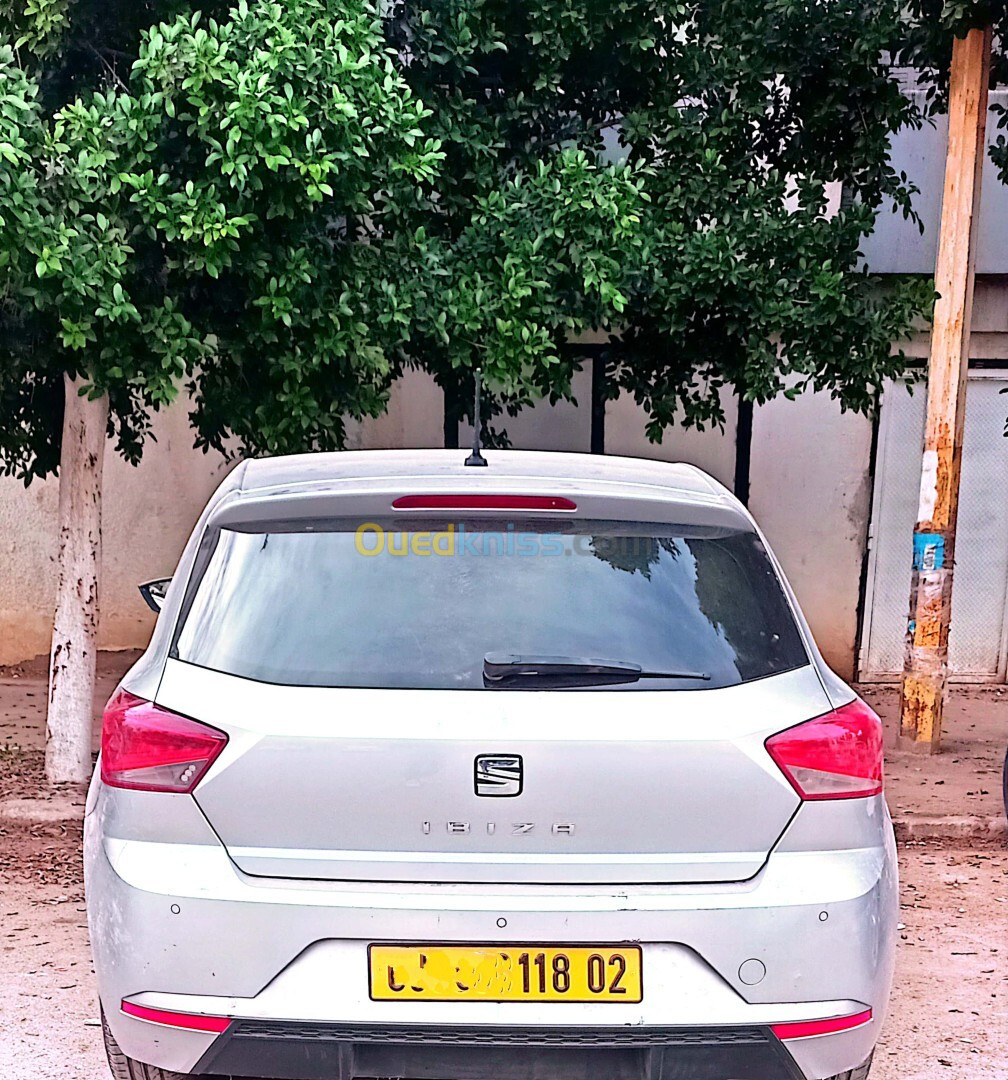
[978, 639]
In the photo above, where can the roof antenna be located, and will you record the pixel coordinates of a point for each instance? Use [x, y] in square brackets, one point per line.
[476, 458]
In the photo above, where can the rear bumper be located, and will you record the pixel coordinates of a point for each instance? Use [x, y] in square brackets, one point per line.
[176, 926]
[341, 1052]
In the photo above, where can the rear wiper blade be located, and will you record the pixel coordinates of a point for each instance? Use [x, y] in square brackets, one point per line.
[504, 667]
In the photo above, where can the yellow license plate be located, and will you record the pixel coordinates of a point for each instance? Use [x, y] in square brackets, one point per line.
[609, 973]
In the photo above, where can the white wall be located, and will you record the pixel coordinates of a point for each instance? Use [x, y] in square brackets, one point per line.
[414, 418]
[148, 512]
[811, 494]
[712, 450]
[563, 426]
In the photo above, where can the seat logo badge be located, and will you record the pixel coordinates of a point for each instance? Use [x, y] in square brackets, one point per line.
[498, 776]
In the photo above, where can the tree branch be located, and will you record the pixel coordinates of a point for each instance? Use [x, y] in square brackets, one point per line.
[108, 67]
[573, 130]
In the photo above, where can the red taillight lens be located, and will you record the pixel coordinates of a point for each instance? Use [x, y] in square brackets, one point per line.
[151, 749]
[836, 756]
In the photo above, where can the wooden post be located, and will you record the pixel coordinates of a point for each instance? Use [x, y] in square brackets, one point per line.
[925, 674]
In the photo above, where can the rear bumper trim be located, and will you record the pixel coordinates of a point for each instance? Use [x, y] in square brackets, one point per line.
[805, 1029]
[186, 1021]
[305, 1051]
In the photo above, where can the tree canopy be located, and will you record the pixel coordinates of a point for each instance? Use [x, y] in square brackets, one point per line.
[186, 217]
[740, 120]
[286, 206]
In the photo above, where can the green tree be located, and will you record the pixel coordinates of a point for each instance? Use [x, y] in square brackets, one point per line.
[185, 216]
[735, 116]
[492, 260]
[545, 256]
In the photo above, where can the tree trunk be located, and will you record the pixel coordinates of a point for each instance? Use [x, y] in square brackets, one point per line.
[73, 658]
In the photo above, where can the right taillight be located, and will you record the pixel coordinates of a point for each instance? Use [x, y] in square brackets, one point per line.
[148, 748]
[836, 756]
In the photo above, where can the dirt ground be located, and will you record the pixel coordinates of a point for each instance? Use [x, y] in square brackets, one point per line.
[964, 780]
[948, 1014]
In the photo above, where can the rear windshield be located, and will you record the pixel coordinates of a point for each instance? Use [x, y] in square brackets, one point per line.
[371, 605]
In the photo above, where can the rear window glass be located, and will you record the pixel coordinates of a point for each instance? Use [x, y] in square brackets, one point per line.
[376, 605]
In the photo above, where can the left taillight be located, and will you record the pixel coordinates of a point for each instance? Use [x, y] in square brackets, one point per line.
[148, 748]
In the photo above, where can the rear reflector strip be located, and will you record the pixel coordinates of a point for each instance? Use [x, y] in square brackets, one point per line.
[190, 1021]
[483, 502]
[804, 1029]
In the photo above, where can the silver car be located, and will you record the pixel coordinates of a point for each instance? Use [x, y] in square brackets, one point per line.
[531, 770]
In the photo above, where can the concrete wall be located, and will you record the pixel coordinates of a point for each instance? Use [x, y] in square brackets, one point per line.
[563, 426]
[809, 491]
[712, 450]
[414, 418]
[897, 246]
[148, 512]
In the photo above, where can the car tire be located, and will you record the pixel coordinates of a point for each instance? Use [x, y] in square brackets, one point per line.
[125, 1068]
[860, 1073]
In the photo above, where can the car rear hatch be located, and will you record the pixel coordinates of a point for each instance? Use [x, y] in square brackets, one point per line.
[401, 785]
